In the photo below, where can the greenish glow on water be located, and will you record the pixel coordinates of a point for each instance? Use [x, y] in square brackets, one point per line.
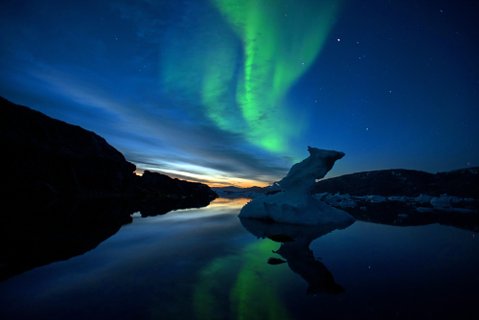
[254, 286]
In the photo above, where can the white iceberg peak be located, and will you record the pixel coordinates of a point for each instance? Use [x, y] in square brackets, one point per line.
[293, 203]
[303, 175]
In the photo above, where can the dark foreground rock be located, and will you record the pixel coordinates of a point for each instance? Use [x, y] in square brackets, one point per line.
[64, 189]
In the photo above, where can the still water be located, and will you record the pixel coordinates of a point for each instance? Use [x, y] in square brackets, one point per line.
[207, 264]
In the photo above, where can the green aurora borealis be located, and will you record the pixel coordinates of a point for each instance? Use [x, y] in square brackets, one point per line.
[242, 72]
[280, 40]
[231, 92]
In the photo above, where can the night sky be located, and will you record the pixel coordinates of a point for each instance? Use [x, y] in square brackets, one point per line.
[232, 91]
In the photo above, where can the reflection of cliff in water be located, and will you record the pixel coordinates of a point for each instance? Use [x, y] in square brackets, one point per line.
[37, 234]
[32, 236]
[295, 241]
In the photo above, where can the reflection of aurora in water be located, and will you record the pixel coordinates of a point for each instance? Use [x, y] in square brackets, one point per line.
[204, 264]
[253, 289]
[255, 286]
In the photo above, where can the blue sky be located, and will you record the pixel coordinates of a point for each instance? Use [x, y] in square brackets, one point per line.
[390, 83]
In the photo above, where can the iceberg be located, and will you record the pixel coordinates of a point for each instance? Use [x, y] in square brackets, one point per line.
[290, 200]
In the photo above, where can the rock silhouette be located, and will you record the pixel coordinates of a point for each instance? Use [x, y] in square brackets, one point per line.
[462, 182]
[64, 189]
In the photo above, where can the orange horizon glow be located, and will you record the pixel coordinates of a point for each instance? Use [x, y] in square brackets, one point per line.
[212, 182]
[240, 184]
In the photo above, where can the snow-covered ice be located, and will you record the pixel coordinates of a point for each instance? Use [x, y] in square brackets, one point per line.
[293, 202]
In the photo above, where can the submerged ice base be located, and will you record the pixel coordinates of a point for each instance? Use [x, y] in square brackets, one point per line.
[290, 200]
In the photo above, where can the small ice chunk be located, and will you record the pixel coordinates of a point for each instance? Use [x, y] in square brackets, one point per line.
[398, 198]
[423, 198]
[347, 203]
[442, 202]
[457, 210]
[373, 198]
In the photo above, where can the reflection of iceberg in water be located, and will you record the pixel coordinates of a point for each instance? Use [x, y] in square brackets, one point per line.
[289, 214]
[295, 250]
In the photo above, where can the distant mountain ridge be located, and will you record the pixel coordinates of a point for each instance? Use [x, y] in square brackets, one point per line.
[461, 182]
[237, 192]
[390, 182]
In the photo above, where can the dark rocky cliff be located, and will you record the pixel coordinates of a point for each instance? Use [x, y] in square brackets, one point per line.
[46, 158]
[64, 189]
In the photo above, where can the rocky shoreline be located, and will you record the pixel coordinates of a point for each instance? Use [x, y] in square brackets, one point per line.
[460, 212]
[396, 197]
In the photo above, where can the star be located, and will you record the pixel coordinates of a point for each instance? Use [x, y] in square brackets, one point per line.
[338, 39]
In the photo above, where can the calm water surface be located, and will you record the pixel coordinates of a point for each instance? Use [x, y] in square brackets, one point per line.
[204, 264]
